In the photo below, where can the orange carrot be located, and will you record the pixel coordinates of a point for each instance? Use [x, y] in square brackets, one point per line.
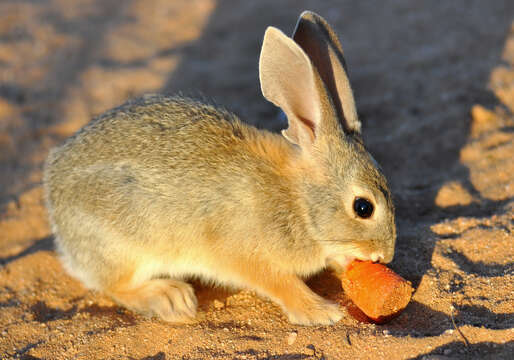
[376, 290]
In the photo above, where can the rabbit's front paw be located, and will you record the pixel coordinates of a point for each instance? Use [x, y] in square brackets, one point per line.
[320, 312]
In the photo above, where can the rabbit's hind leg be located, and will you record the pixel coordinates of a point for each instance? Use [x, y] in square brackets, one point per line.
[169, 299]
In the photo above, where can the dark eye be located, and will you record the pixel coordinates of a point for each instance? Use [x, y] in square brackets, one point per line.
[363, 207]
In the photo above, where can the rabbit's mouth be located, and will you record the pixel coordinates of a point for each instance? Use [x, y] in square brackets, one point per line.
[339, 262]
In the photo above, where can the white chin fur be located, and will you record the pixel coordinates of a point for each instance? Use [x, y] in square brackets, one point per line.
[340, 262]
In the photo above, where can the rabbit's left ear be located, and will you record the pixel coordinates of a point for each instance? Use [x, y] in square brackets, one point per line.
[289, 80]
[320, 43]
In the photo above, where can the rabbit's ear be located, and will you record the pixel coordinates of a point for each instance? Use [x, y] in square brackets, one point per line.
[289, 80]
[320, 43]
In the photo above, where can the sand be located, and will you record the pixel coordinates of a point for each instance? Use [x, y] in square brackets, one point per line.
[434, 85]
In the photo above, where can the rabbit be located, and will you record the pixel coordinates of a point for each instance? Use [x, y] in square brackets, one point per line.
[166, 188]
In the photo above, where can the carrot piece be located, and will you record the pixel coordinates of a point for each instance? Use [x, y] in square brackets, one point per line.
[376, 290]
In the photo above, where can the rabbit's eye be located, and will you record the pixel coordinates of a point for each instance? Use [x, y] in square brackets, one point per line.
[363, 207]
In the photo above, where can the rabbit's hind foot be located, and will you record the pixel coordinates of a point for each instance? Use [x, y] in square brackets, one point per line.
[169, 299]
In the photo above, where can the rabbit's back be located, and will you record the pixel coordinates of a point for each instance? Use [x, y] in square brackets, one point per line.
[153, 131]
[153, 142]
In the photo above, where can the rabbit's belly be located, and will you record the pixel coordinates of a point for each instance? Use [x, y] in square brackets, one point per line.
[182, 269]
[152, 267]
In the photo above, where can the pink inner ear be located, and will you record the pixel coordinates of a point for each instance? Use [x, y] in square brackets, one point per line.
[309, 124]
[301, 131]
[311, 128]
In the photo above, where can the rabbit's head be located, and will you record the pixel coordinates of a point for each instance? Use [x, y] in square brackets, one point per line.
[346, 200]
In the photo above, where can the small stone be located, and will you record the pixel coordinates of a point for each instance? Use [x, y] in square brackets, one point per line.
[310, 350]
[218, 304]
[225, 329]
[291, 338]
[447, 351]
[346, 340]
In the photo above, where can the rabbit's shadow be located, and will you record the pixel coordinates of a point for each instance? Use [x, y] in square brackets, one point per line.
[43, 244]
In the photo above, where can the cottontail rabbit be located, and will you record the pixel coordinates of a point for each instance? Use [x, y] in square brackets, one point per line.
[162, 188]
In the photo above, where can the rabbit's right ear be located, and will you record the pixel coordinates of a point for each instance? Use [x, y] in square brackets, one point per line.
[320, 43]
[289, 80]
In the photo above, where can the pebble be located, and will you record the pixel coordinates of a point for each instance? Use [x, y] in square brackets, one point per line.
[218, 304]
[310, 350]
[291, 338]
[346, 339]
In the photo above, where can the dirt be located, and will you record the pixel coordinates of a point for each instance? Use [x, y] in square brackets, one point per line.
[434, 85]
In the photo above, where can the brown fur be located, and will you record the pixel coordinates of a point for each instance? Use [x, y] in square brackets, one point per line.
[164, 188]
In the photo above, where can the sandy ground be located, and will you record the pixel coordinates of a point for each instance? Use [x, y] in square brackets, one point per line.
[434, 83]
